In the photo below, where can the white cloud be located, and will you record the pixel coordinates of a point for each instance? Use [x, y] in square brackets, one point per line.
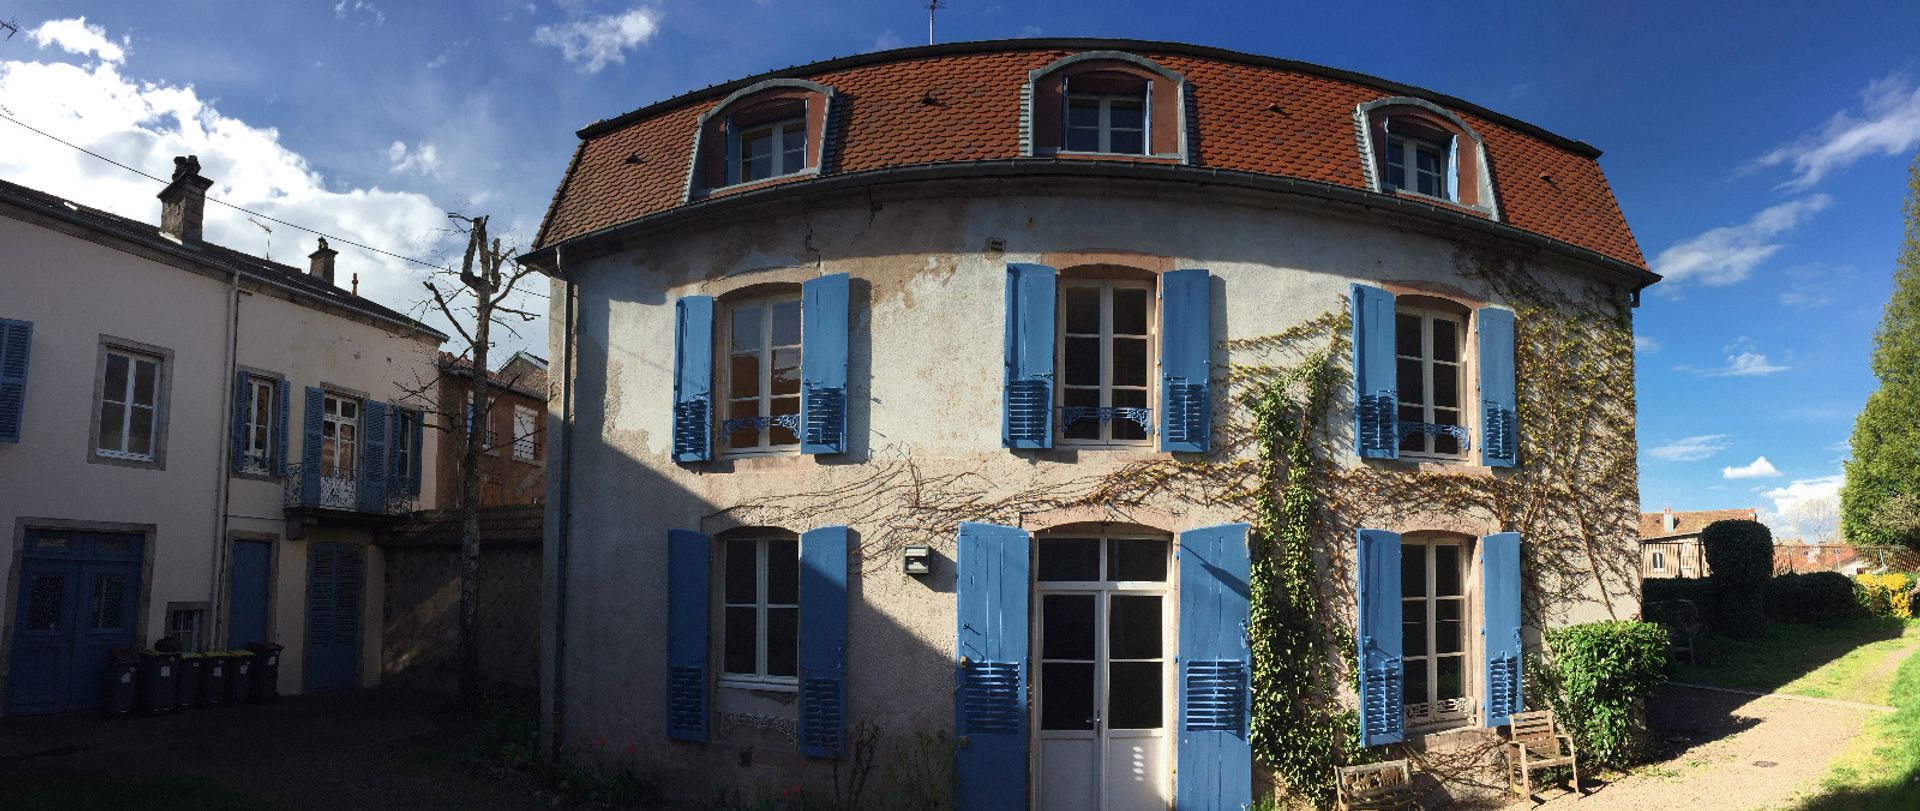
[1744, 359]
[887, 41]
[1757, 469]
[1031, 31]
[1887, 122]
[422, 158]
[1646, 344]
[77, 37]
[594, 43]
[371, 12]
[1690, 449]
[1728, 254]
[1803, 496]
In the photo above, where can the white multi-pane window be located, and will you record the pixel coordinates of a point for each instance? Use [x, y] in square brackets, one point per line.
[1416, 164]
[262, 412]
[761, 622]
[402, 445]
[1107, 122]
[525, 421]
[186, 626]
[1105, 358]
[772, 150]
[1659, 560]
[763, 376]
[1433, 610]
[129, 396]
[1428, 345]
[339, 436]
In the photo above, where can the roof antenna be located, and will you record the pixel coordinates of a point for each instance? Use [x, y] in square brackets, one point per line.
[932, 6]
[256, 224]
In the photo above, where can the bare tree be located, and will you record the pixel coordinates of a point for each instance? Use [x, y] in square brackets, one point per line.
[488, 276]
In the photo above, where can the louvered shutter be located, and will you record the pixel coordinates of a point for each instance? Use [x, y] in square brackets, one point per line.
[1186, 348]
[416, 424]
[1453, 169]
[1500, 625]
[16, 344]
[1027, 418]
[687, 564]
[374, 431]
[693, 379]
[1215, 760]
[1499, 426]
[990, 702]
[1382, 671]
[823, 641]
[310, 462]
[823, 364]
[284, 398]
[242, 399]
[1376, 411]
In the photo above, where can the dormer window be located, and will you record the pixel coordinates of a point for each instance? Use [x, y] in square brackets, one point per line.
[1109, 118]
[772, 150]
[1101, 103]
[1415, 148]
[770, 132]
[1420, 164]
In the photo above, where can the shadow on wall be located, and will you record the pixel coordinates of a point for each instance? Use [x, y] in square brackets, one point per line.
[422, 615]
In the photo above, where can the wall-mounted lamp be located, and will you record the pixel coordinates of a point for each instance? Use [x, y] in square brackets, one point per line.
[916, 560]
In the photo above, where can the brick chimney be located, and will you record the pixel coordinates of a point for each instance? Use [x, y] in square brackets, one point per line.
[183, 202]
[322, 262]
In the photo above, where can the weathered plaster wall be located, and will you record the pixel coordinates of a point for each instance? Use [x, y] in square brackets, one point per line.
[925, 373]
[421, 615]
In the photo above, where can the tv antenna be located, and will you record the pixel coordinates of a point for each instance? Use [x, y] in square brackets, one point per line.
[932, 6]
[256, 224]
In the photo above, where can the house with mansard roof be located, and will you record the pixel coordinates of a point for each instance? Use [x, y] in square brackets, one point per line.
[906, 394]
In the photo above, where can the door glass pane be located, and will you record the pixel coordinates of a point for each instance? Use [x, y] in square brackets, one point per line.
[1069, 559]
[786, 371]
[1066, 695]
[740, 586]
[1082, 358]
[1406, 335]
[1446, 385]
[1083, 428]
[1129, 311]
[1413, 571]
[744, 436]
[1448, 630]
[1133, 627]
[786, 323]
[781, 434]
[1450, 681]
[1413, 628]
[783, 641]
[744, 375]
[1126, 428]
[109, 600]
[741, 627]
[1412, 389]
[1416, 684]
[746, 329]
[1133, 695]
[1137, 560]
[1130, 361]
[1446, 341]
[783, 571]
[1082, 309]
[44, 595]
[1446, 571]
[1066, 626]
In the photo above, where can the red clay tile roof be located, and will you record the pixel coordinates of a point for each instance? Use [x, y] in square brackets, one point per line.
[1250, 114]
[1652, 525]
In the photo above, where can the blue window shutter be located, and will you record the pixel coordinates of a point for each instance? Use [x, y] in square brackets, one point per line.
[1027, 420]
[416, 422]
[990, 702]
[310, 463]
[823, 364]
[823, 641]
[373, 457]
[1376, 409]
[1499, 422]
[1382, 671]
[1453, 169]
[241, 401]
[1214, 759]
[1500, 626]
[1186, 350]
[16, 343]
[687, 563]
[693, 379]
[284, 398]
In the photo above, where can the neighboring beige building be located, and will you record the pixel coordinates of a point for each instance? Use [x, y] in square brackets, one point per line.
[513, 464]
[193, 441]
[1670, 541]
[909, 392]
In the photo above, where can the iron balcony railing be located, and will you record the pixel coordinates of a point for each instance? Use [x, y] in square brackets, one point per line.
[326, 487]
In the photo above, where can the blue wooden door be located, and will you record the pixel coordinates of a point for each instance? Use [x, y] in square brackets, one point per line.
[247, 598]
[333, 616]
[78, 598]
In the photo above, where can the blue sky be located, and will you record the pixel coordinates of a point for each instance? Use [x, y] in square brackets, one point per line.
[1758, 151]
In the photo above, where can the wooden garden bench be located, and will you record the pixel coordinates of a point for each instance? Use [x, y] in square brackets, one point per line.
[1533, 744]
[1376, 786]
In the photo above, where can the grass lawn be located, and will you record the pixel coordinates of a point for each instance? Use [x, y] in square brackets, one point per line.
[1848, 661]
[1881, 768]
[93, 793]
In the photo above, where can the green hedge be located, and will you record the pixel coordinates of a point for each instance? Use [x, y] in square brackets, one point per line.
[1598, 682]
[1740, 559]
[1812, 597]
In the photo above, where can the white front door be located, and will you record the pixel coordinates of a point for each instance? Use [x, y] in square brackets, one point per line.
[1102, 680]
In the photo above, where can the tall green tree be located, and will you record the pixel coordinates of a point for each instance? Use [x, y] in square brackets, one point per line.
[1883, 478]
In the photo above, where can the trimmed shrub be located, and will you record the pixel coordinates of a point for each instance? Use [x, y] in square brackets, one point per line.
[1887, 595]
[1598, 683]
[1695, 590]
[1811, 597]
[1740, 557]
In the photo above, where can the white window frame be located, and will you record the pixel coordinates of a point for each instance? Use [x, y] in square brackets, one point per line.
[1107, 286]
[765, 395]
[1427, 370]
[402, 444]
[759, 679]
[1659, 560]
[1410, 146]
[1106, 128]
[193, 641]
[777, 130]
[1433, 713]
[523, 431]
[124, 399]
[332, 413]
[262, 415]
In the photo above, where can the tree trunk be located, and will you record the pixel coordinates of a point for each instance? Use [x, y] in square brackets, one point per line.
[483, 285]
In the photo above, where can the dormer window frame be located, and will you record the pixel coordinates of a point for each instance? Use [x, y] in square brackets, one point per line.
[1044, 121]
[815, 103]
[740, 138]
[1463, 154]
